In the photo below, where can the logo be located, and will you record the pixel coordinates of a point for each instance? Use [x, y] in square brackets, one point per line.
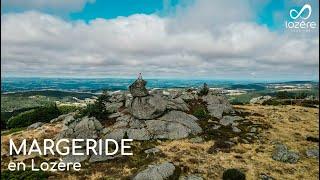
[300, 21]
[305, 7]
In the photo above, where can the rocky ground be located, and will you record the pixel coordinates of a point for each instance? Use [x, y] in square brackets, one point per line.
[187, 135]
[289, 125]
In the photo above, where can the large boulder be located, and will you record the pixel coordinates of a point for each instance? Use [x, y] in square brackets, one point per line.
[156, 172]
[83, 128]
[138, 89]
[148, 107]
[172, 125]
[217, 105]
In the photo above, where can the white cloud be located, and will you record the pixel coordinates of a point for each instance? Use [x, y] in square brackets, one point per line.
[35, 43]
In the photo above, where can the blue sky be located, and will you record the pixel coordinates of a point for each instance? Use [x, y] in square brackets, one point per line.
[210, 38]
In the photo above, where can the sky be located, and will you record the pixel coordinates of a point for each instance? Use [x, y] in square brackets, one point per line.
[214, 39]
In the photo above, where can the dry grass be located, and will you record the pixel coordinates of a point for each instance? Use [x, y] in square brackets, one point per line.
[288, 124]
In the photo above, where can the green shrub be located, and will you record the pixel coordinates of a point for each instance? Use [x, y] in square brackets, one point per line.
[97, 109]
[41, 114]
[204, 90]
[65, 109]
[28, 174]
[200, 112]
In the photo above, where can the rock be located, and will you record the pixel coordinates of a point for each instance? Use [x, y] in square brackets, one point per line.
[152, 150]
[281, 153]
[138, 134]
[167, 130]
[177, 104]
[100, 158]
[217, 105]
[253, 130]
[115, 115]
[138, 89]
[175, 94]
[233, 174]
[186, 96]
[156, 172]
[117, 97]
[84, 128]
[260, 99]
[113, 107]
[314, 153]
[148, 107]
[196, 140]
[235, 129]
[172, 125]
[183, 118]
[65, 117]
[35, 125]
[229, 120]
[116, 134]
[70, 158]
[191, 177]
[266, 177]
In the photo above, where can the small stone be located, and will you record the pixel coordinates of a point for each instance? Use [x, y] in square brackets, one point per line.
[152, 150]
[235, 129]
[265, 177]
[253, 129]
[157, 172]
[314, 153]
[196, 140]
[281, 153]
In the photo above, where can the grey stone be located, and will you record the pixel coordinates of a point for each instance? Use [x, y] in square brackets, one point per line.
[167, 130]
[70, 158]
[117, 97]
[138, 134]
[281, 153]
[314, 152]
[217, 105]
[83, 128]
[65, 117]
[253, 130]
[101, 158]
[148, 107]
[184, 119]
[152, 150]
[266, 177]
[116, 134]
[112, 107]
[138, 89]
[196, 140]
[235, 129]
[35, 125]
[156, 172]
[229, 120]
[186, 96]
[115, 115]
[177, 104]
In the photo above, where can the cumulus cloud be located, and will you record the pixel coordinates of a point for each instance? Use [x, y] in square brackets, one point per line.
[189, 44]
